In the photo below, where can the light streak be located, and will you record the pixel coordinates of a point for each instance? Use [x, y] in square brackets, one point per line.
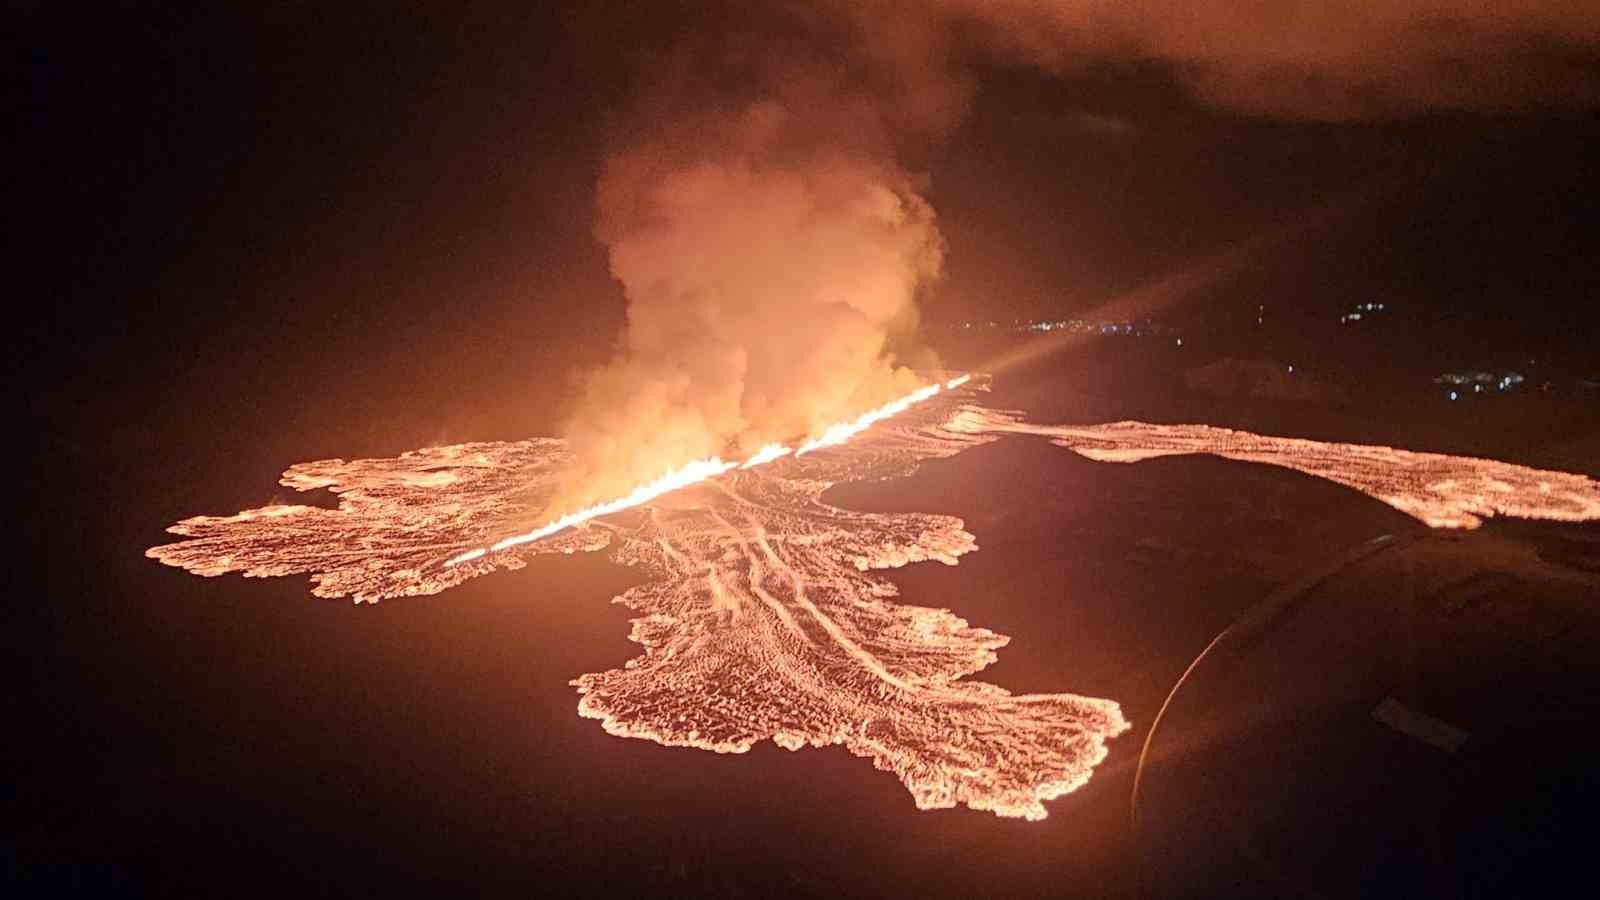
[704, 469]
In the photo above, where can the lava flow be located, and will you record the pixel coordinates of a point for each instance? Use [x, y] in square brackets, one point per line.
[764, 618]
[1440, 490]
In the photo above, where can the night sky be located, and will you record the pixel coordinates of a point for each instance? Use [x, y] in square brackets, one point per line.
[214, 196]
[250, 238]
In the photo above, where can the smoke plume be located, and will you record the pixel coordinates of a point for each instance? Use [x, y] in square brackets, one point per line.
[769, 241]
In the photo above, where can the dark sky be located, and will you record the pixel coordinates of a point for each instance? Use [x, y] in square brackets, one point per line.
[336, 205]
[235, 205]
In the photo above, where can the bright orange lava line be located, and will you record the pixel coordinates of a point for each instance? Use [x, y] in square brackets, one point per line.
[844, 431]
[766, 454]
[703, 469]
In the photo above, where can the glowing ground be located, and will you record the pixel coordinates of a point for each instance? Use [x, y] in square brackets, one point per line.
[764, 618]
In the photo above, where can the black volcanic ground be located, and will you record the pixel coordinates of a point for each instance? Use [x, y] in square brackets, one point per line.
[241, 737]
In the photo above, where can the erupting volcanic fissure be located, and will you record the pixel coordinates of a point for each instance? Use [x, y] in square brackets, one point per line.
[702, 469]
[764, 618]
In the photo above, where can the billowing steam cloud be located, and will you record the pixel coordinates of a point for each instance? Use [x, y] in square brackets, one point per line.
[770, 246]
[771, 237]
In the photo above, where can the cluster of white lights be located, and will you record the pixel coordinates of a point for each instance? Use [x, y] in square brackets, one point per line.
[1356, 311]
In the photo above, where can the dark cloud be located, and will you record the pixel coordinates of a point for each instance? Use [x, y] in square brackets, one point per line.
[1356, 59]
